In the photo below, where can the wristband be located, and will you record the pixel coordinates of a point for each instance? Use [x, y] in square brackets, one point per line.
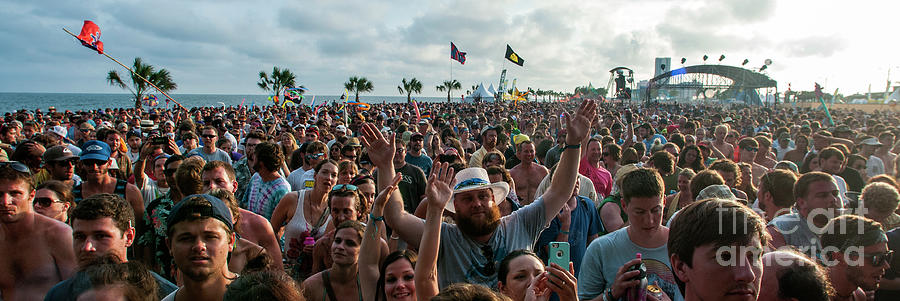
[564, 232]
[372, 217]
[573, 146]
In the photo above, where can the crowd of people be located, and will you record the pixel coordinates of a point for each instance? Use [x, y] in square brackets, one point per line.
[581, 200]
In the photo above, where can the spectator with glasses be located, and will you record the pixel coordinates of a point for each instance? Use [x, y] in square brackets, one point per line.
[209, 151]
[304, 177]
[856, 255]
[54, 199]
[346, 203]
[243, 168]
[152, 242]
[95, 162]
[36, 250]
[304, 214]
[59, 164]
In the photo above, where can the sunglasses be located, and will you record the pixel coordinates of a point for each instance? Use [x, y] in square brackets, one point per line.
[90, 162]
[344, 187]
[879, 259]
[208, 136]
[66, 162]
[314, 156]
[751, 149]
[489, 268]
[17, 166]
[45, 202]
[85, 131]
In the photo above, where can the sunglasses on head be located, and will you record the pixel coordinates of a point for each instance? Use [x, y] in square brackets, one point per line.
[17, 166]
[45, 202]
[344, 187]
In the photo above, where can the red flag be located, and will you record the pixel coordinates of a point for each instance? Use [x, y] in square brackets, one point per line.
[90, 36]
[457, 55]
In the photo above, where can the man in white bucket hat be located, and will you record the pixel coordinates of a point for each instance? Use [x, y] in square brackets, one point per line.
[471, 249]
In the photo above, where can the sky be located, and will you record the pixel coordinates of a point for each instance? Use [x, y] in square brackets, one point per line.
[219, 47]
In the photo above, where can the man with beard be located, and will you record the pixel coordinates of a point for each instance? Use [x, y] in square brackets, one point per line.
[243, 168]
[59, 164]
[95, 162]
[489, 143]
[715, 248]
[817, 200]
[200, 237]
[527, 175]
[856, 255]
[416, 156]
[471, 249]
[35, 250]
[101, 225]
[267, 186]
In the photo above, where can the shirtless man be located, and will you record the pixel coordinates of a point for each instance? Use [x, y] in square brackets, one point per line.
[35, 251]
[749, 150]
[884, 153]
[252, 226]
[95, 162]
[527, 175]
[722, 149]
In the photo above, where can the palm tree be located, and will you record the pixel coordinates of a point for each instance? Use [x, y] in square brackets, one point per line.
[281, 78]
[359, 84]
[410, 87]
[161, 78]
[449, 85]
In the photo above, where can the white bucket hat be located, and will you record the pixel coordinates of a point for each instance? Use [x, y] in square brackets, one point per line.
[476, 178]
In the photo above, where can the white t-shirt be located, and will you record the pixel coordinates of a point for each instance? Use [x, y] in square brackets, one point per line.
[874, 166]
[150, 191]
[301, 179]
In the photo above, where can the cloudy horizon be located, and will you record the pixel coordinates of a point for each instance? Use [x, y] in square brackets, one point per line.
[219, 47]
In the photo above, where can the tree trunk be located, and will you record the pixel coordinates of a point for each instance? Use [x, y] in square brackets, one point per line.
[408, 98]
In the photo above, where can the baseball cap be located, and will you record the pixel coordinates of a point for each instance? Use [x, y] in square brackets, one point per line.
[341, 128]
[59, 130]
[184, 210]
[95, 150]
[58, 153]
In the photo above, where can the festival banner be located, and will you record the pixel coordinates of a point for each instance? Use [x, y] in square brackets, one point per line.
[513, 57]
[457, 55]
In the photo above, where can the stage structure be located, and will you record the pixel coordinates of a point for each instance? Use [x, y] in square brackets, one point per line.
[621, 84]
[719, 83]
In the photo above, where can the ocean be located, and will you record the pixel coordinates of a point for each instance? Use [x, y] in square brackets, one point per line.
[10, 102]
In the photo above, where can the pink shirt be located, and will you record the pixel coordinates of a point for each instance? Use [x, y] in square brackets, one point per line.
[599, 176]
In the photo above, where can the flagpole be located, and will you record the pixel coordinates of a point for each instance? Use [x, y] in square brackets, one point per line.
[132, 72]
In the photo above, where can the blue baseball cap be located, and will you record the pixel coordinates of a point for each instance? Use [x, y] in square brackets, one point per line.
[95, 150]
[218, 210]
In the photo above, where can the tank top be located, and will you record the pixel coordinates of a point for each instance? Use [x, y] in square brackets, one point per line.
[119, 190]
[298, 228]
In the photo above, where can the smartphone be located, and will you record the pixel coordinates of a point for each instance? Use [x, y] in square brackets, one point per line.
[164, 140]
[559, 254]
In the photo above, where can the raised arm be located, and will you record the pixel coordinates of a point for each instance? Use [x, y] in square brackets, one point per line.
[577, 128]
[370, 249]
[381, 152]
[140, 165]
[438, 194]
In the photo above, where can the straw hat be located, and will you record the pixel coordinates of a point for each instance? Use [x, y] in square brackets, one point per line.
[476, 178]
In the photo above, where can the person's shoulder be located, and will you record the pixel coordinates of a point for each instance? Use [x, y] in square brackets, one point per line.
[61, 291]
[314, 281]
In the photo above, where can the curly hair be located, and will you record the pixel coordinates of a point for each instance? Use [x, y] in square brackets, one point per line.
[105, 205]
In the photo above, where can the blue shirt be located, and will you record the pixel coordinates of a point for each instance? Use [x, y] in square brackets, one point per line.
[649, 142]
[585, 223]
[424, 162]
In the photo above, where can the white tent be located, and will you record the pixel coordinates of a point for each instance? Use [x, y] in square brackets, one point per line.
[480, 92]
[491, 90]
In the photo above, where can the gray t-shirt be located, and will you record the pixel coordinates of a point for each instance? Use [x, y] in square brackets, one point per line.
[218, 155]
[462, 259]
[608, 253]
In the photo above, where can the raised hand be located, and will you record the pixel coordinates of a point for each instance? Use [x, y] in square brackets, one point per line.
[563, 282]
[380, 149]
[578, 126]
[438, 189]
